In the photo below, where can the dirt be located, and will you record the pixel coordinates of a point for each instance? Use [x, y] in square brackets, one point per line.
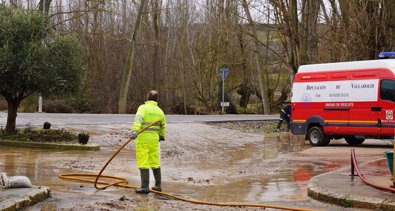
[226, 162]
[187, 149]
[256, 127]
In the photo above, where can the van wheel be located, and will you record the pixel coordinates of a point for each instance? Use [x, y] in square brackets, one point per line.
[352, 140]
[317, 137]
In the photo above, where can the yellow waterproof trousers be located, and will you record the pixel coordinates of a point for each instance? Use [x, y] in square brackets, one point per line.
[147, 155]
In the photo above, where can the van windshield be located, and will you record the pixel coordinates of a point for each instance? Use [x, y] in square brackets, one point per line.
[387, 90]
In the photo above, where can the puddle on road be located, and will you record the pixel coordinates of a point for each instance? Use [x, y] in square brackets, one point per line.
[42, 165]
[256, 189]
[273, 146]
[374, 173]
[288, 184]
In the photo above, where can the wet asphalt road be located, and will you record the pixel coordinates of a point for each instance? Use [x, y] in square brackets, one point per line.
[34, 119]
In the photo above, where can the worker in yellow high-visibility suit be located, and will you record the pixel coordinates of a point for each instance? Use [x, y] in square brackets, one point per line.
[147, 142]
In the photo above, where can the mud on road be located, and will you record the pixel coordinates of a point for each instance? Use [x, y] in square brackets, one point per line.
[216, 162]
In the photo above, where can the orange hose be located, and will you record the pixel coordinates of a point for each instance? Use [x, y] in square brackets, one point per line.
[115, 154]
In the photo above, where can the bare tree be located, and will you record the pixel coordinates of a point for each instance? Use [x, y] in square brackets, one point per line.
[258, 60]
[129, 64]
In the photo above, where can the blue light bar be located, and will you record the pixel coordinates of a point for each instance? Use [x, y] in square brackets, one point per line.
[385, 55]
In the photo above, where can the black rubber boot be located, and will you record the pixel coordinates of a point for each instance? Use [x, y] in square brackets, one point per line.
[144, 174]
[158, 180]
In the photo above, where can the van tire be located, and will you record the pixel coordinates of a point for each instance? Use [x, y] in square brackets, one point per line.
[317, 137]
[352, 140]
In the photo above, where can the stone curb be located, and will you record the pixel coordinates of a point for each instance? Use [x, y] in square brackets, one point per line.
[33, 196]
[59, 146]
[324, 194]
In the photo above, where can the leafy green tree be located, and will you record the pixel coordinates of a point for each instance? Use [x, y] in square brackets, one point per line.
[28, 64]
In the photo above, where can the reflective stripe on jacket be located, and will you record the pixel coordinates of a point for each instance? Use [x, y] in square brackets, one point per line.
[146, 114]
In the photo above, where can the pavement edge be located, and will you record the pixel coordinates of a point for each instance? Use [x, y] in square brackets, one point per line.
[321, 193]
[59, 146]
[35, 195]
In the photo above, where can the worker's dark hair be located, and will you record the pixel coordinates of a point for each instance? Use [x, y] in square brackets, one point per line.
[153, 95]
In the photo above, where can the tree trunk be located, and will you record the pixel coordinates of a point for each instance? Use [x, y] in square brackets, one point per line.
[245, 90]
[44, 6]
[388, 30]
[308, 40]
[261, 77]
[13, 105]
[156, 19]
[294, 35]
[123, 96]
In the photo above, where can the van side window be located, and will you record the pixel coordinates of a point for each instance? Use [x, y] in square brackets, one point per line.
[387, 90]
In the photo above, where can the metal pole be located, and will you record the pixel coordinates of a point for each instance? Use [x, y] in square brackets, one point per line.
[352, 163]
[223, 91]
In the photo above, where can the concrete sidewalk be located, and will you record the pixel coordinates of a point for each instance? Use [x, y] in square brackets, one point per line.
[18, 198]
[338, 187]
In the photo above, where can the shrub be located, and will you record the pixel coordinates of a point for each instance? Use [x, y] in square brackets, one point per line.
[47, 125]
[180, 109]
[29, 104]
[3, 104]
[231, 109]
[85, 105]
[39, 135]
[83, 138]
[57, 106]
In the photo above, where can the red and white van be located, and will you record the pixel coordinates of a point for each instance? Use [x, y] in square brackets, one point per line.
[351, 100]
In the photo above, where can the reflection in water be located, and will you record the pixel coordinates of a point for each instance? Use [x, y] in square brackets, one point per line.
[37, 164]
[273, 146]
[374, 173]
[302, 173]
[287, 184]
[9, 161]
[20, 163]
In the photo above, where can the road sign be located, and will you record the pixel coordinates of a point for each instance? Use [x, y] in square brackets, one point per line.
[224, 103]
[223, 72]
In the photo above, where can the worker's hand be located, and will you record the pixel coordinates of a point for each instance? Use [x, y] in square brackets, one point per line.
[161, 138]
[133, 135]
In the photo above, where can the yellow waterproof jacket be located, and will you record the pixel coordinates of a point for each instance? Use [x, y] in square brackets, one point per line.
[147, 113]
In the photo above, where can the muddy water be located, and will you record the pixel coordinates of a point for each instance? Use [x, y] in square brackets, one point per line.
[42, 166]
[376, 173]
[283, 180]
